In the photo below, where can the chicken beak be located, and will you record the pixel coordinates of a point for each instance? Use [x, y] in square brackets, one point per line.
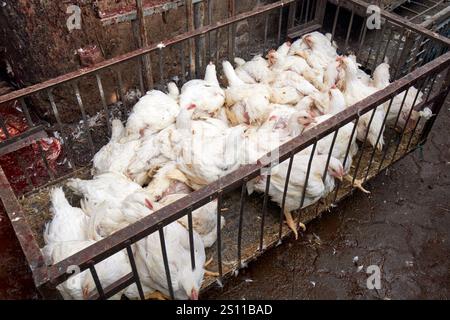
[194, 295]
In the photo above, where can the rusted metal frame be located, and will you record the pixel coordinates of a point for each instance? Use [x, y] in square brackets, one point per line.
[291, 14]
[347, 153]
[414, 58]
[324, 175]
[266, 30]
[4, 128]
[319, 14]
[372, 156]
[22, 140]
[391, 34]
[437, 3]
[139, 67]
[61, 129]
[264, 209]
[162, 78]
[380, 42]
[336, 17]
[97, 282]
[106, 247]
[280, 26]
[283, 201]
[418, 107]
[437, 105]
[143, 42]
[407, 47]
[166, 261]
[397, 48]
[31, 124]
[135, 272]
[349, 30]
[191, 238]
[307, 11]
[231, 31]
[113, 288]
[241, 221]
[183, 63]
[85, 120]
[362, 37]
[200, 21]
[24, 234]
[105, 106]
[405, 23]
[395, 125]
[219, 233]
[190, 29]
[358, 164]
[308, 171]
[302, 10]
[209, 33]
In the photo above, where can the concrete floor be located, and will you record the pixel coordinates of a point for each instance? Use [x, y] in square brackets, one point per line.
[403, 227]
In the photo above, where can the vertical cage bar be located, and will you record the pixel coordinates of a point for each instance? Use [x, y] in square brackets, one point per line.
[219, 234]
[308, 171]
[241, 221]
[143, 42]
[105, 106]
[336, 16]
[264, 211]
[191, 238]
[166, 261]
[135, 273]
[85, 120]
[283, 201]
[97, 282]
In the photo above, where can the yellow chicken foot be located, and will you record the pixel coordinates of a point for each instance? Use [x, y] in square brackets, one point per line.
[211, 273]
[291, 223]
[207, 263]
[156, 295]
[357, 183]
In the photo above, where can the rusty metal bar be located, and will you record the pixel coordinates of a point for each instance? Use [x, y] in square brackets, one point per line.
[241, 221]
[283, 201]
[143, 42]
[85, 120]
[135, 272]
[166, 261]
[219, 233]
[191, 238]
[97, 282]
[264, 210]
[190, 28]
[105, 106]
[22, 140]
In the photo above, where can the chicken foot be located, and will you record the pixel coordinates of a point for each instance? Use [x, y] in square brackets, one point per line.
[357, 183]
[291, 223]
[156, 295]
[210, 273]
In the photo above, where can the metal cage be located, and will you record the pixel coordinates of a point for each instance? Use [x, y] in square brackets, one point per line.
[419, 58]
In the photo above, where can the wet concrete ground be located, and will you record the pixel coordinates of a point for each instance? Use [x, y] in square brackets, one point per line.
[403, 227]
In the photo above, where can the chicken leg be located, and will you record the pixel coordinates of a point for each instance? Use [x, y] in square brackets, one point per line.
[291, 223]
[357, 183]
[156, 295]
[210, 273]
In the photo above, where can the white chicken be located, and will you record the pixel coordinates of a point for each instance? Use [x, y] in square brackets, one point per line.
[316, 188]
[204, 219]
[254, 71]
[203, 98]
[117, 154]
[209, 151]
[68, 223]
[110, 187]
[354, 91]
[185, 282]
[400, 109]
[245, 103]
[153, 112]
[81, 286]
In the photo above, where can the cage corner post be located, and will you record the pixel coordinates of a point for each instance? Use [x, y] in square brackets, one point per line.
[142, 43]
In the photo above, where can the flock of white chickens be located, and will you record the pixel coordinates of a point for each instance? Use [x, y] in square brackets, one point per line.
[179, 142]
